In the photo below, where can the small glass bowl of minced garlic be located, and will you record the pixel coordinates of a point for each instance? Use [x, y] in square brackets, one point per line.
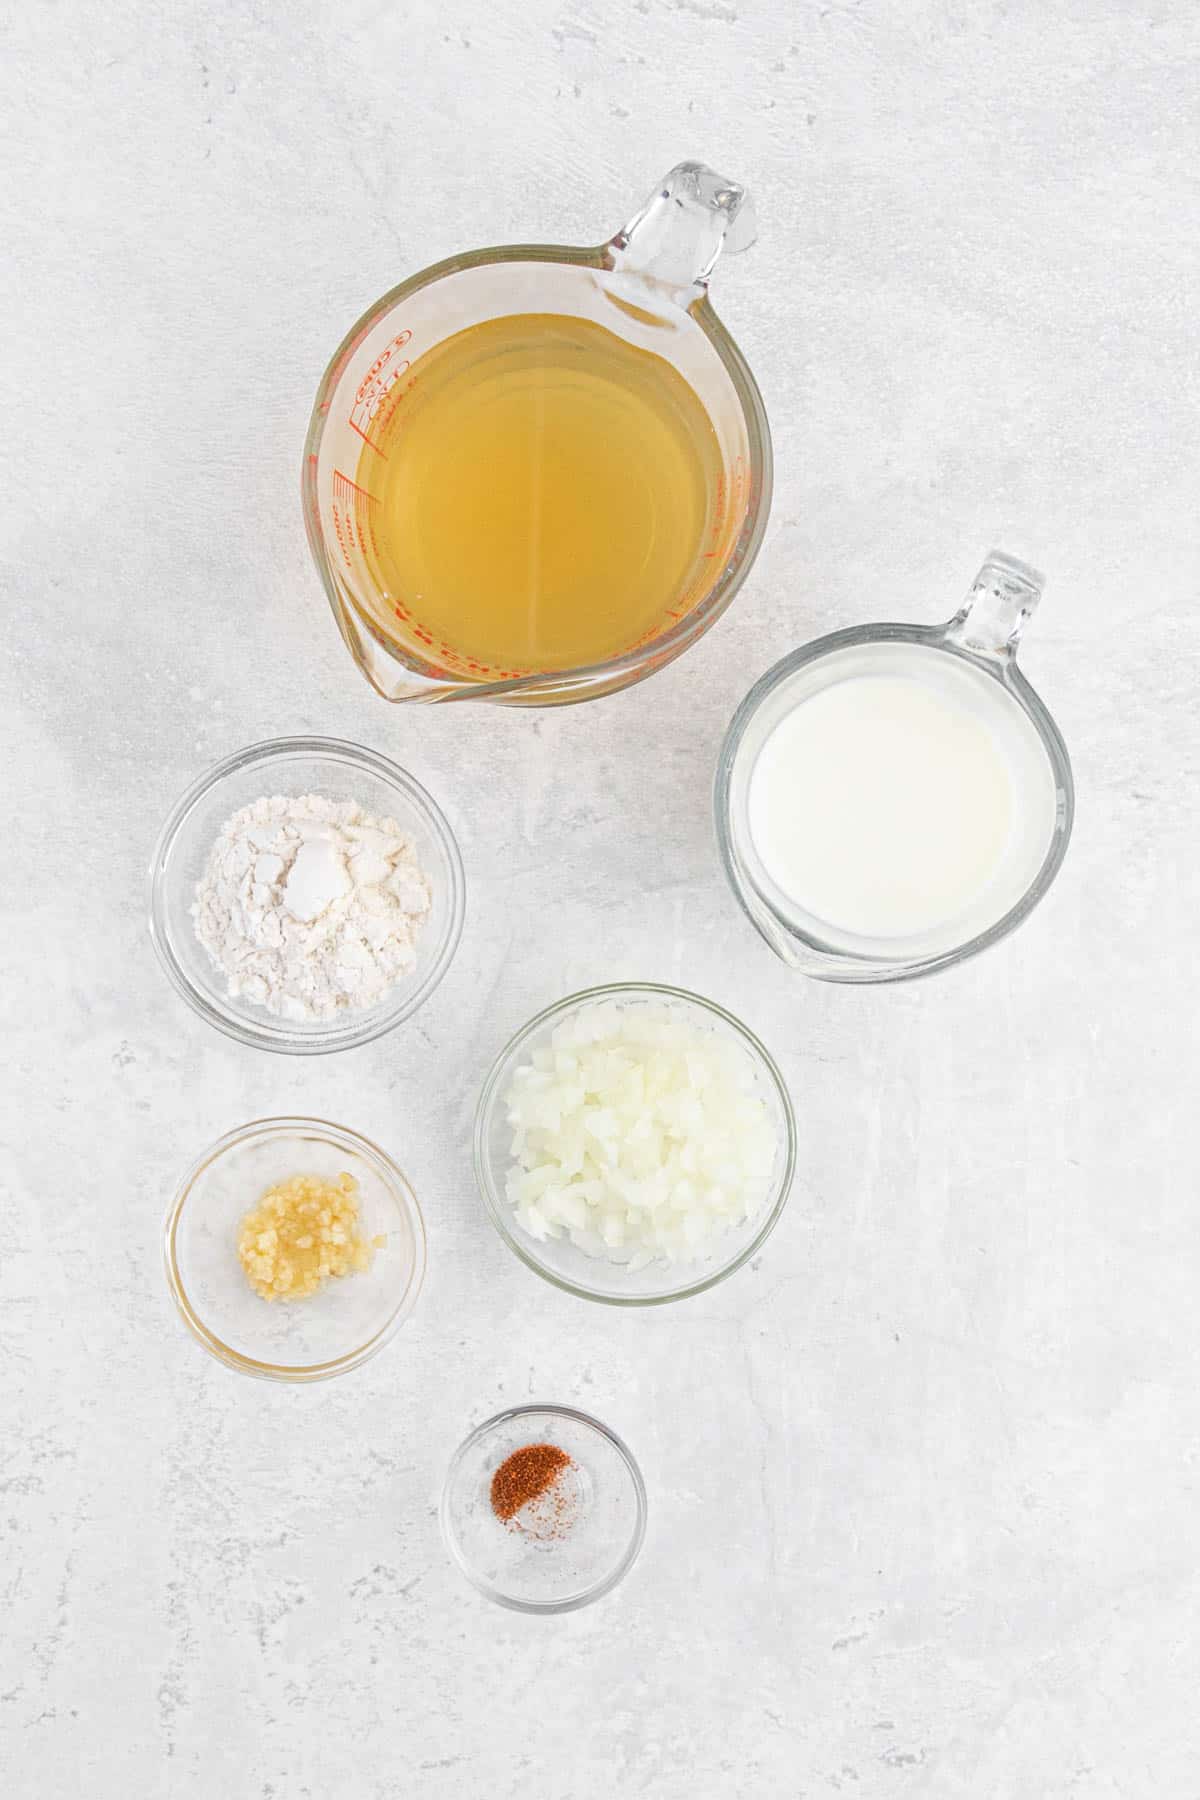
[305, 1231]
[295, 1249]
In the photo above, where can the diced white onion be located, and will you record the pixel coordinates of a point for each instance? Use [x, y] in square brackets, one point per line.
[638, 1134]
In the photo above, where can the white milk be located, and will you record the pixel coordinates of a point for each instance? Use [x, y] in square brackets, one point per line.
[897, 800]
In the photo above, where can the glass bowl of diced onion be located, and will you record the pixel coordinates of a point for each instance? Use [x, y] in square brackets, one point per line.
[634, 1144]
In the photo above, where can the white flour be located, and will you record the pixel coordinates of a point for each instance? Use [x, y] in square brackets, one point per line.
[311, 907]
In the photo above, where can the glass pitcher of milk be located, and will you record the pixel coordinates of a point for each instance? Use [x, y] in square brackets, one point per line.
[893, 798]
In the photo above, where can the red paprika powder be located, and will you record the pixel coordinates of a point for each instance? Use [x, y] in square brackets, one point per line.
[524, 1476]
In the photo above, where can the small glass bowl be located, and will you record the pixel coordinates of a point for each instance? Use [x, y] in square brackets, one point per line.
[293, 766]
[560, 1261]
[546, 1560]
[328, 1332]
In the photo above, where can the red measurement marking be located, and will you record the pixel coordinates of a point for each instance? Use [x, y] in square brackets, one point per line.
[390, 400]
[366, 440]
[373, 498]
[381, 361]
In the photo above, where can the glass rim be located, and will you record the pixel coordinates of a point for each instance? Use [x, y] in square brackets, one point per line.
[337, 1035]
[628, 1557]
[839, 965]
[501, 1214]
[593, 679]
[344, 1138]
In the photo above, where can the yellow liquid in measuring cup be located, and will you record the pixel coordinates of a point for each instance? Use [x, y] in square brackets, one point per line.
[545, 496]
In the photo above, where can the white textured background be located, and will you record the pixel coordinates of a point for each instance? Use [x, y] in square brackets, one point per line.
[925, 1517]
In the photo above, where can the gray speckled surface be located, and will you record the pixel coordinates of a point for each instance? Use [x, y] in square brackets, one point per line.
[923, 1483]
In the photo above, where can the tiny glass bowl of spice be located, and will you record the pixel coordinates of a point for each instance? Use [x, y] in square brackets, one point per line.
[544, 1509]
[635, 1144]
[295, 1249]
[306, 895]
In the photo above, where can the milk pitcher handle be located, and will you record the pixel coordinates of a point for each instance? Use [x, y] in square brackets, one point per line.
[673, 242]
[992, 617]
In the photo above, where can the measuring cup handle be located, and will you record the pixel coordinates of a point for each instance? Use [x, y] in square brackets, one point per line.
[678, 235]
[1003, 597]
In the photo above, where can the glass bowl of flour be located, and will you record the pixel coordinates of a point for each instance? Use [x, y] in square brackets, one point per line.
[306, 895]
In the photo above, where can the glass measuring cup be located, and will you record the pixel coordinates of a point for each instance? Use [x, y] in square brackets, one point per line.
[648, 285]
[972, 658]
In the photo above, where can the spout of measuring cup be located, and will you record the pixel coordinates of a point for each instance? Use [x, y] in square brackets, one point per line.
[672, 244]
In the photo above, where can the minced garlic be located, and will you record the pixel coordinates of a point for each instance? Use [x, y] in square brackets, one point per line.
[303, 1232]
